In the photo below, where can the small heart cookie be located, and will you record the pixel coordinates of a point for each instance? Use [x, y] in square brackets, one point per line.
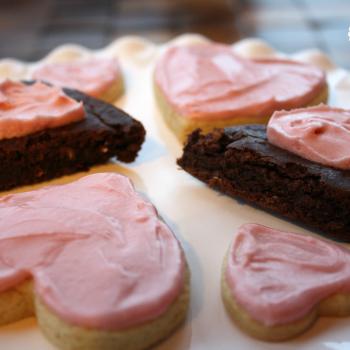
[97, 77]
[276, 284]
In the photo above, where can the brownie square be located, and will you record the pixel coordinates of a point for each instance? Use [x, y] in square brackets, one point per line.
[239, 161]
[105, 132]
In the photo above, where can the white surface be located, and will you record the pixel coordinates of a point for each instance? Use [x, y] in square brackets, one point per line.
[203, 219]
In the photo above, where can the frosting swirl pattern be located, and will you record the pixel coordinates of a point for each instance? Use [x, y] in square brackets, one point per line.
[320, 134]
[278, 277]
[25, 109]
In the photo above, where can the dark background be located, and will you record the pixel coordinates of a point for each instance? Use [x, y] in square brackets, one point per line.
[31, 28]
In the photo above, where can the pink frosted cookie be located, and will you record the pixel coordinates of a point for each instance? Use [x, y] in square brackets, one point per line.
[93, 262]
[97, 77]
[276, 284]
[207, 86]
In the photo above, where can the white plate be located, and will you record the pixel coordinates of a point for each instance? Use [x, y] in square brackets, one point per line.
[203, 219]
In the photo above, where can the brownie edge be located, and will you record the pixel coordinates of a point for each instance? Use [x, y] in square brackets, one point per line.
[240, 162]
[105, 132]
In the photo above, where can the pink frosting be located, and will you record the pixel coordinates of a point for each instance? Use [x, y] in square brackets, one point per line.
[25, 109]
[320, 134]
[98, 253]
[278, 277]
[93, 76]
[209, 81]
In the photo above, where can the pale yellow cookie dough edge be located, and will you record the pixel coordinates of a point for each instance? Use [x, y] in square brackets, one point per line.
[115, 91]
[20, 302]
[183, 126]
[337, 305]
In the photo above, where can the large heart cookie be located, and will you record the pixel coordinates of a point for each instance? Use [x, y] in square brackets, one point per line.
[104, 270]
[209, 86]
[275, 284]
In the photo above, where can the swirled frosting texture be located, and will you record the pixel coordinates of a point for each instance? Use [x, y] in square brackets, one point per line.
[320, 134]
[25, 109]
[209, 81]
[97, 251]
[278, 277]
[92, 76]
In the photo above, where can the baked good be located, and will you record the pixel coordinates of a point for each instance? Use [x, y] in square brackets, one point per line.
[240, 161]
[276, 284]
[97, 77]
[96, 265]
[37, 148]
[207, 85]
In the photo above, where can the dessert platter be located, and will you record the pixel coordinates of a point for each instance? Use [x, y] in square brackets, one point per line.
[235, 236]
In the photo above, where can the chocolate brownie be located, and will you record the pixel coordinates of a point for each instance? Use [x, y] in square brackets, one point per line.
[239, 161]
[105, 132]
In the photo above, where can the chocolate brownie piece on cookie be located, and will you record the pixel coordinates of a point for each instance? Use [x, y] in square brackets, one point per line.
[240, 161]
[105, 132]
